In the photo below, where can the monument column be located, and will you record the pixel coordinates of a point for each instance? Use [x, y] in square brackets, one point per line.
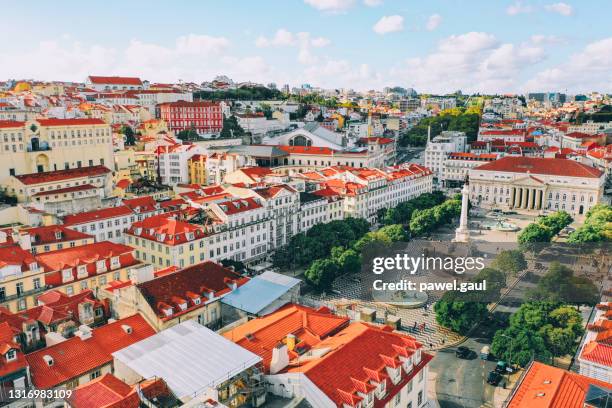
[462, 234]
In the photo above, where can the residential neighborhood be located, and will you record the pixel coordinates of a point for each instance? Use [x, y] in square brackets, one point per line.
[206, 214]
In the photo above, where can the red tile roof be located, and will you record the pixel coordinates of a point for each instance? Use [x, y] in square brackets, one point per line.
[10, 124]
[549, 387]
[256, 173]
[199, 279]
[16, 256]
[51, 234]
[70, 258]
[315, 150]
[357, 355]
[166, 228]
[60, 175]
[185, 104]
[142, 204]
[538, 165]
[105, 392]
[53, 122]
[75, 357]
[115, 80]
[101, 214]
[239, 205]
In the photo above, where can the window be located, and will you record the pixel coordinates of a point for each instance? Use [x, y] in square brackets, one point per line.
[11, 355]
[2, 293]
[420, 398]
[21, 305]
[397, 398]
[95, 374]
[19, 288]
[36, 283]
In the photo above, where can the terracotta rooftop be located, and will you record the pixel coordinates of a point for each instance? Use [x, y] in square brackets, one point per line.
[60, 175]
[538, 165]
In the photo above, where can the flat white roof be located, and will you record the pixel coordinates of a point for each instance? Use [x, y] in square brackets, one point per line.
[190, 357]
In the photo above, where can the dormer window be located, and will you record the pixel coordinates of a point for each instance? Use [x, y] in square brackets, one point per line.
[418, 356]
[115, 264]
[82, 271]
[197, 301]
[190, 236]
[183, 306]
[67, 275]
[101, 266]
[395, 374]
[58, 234]
[381, 390]
[34, 266]
[11, 355]
[167, 312]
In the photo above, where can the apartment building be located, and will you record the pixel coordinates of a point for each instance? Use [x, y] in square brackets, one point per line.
[205, 118]
[440, 147]
[458, 164]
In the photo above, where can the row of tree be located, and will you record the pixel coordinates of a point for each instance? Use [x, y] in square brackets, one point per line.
[597, 226]
[255, 93]
[462, 121]
[538, 330]
[544, 228]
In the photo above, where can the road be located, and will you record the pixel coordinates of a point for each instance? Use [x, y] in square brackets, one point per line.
[463, 382]
[410, 154]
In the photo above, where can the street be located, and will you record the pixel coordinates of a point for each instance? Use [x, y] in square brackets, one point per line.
[410, 154]
[463, 382]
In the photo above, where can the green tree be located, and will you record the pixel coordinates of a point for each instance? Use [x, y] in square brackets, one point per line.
[556, 221]
[130, 137]
[510, 262]
[457, 314]
[231, 128]
[321, 274]
[533, 234]
[395, 232]
[519, 345]
[560, 285]
[187, 135]
[349, 261]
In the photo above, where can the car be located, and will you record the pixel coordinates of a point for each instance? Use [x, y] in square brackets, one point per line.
[462, 352]
[494, 378]
[501, 367]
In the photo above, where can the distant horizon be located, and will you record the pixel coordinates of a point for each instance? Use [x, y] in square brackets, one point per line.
[502, 47]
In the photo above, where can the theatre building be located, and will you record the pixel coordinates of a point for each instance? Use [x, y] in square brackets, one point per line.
[536, 185]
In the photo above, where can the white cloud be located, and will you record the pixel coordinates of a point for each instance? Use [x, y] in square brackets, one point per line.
[560, 8]
[473, 62]
[588, 70]
[389, 24]
[320, 42]
[373, 3]
[433, 22]
[331, 6]
[519, 7]
[282, 38]
[191, 57]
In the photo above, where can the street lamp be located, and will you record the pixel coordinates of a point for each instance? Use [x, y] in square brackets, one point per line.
[511, 341]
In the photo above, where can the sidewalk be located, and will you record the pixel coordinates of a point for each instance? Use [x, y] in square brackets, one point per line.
[502, 393]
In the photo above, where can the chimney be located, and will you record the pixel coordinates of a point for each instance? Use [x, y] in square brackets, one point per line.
[84, 332]
[126, 328]
[280, 358]
[48, 359]
[290, 342]
[25, 241]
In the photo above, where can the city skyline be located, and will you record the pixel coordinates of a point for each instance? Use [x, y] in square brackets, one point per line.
[500, 47]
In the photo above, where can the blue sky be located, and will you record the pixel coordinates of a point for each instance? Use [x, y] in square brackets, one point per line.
[434, 46]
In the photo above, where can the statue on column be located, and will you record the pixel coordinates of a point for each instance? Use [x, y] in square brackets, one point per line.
[462, 234]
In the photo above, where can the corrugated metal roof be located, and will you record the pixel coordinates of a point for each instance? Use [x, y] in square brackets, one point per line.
[189, 357]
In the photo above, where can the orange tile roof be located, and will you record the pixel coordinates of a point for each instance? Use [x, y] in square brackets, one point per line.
[14, 255]
[239, 205]
[166, 228]
[59, 175]
[75, 357]
[549, 387]
[310, 326]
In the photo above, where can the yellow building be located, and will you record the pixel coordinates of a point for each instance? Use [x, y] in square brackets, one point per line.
[192, 293]
[197, 169]
[53, 144]
[165, 241]
[25, 276]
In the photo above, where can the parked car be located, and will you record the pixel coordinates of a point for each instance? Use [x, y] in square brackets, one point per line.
[494, 378]
[462, 352]
[501, 367]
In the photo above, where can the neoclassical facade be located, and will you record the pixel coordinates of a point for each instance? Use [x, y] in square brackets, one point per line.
[536, 185]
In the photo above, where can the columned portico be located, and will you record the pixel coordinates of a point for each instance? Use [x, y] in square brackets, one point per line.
[527, 198]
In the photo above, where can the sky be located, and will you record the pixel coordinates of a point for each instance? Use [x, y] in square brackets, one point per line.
[433, 46]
